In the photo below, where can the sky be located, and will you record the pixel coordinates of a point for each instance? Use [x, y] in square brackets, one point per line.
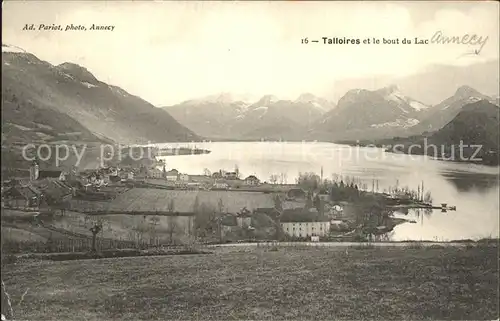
[168, 52]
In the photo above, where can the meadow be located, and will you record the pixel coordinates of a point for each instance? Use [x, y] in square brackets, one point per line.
[146, 199]
[360, 283]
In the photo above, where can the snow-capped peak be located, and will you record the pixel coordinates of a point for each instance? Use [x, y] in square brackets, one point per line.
[393, 93]
[267, 100]
[317, 102]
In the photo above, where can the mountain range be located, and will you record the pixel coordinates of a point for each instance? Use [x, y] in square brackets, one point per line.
[359, 115]
[227, 117]
[47, 103]
[362, 113]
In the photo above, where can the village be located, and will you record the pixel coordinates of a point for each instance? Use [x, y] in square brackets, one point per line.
[152, 205]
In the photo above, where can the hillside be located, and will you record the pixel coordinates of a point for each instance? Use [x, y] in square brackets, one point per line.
[475, 128]
[445, 111]
[476, 124]
[50, 103]
[268, 118]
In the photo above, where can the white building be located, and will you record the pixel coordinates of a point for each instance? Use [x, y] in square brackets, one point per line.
[172, 175]
[220, 186]
[244, 221]
[184, 177]
[306, 229]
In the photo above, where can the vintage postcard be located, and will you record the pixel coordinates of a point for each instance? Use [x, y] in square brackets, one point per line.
[250, 160]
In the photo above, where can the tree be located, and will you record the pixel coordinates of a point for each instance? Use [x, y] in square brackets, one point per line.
[283, 178]
[309, 181]
[428, 198]
[273, 179]
[309, 200]
[172, 227]
[154, 222]
[196, 204]
[278, 203]
[203, 217]
[95, 229]
[237, 170]
[318, 204]
[220, 207]
[207, 172]
[171, 206]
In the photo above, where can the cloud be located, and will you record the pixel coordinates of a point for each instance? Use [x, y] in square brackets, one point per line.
[172, 51]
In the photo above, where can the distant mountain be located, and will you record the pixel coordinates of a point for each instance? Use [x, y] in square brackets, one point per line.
[362, 113]
[475, 128]
[431, 85]
[444, 112]
[50, 103]
[268, 118]
[210, 116]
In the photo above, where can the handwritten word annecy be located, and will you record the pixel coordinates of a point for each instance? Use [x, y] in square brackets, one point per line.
[473, 40]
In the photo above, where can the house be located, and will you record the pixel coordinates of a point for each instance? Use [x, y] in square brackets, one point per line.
[217, 175]
[306, 229]
[252, 180]
[220, 186]
[334, 211]
[79, 184]
[180, 184]
[339, 225]
[194, 185]
[296, 193]
[244, 218]
[172, 175]
[231, 175]
[60, 175]
[269, 211]
[184, 177]
[155, 173]
[126, 175]
[22, 196]
[58, 192]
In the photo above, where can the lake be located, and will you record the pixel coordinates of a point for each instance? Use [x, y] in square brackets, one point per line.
[473, 189]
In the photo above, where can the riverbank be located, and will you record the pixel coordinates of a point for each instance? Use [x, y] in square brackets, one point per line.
[388, 283]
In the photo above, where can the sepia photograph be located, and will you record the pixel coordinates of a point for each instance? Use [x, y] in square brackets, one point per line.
[250, 160]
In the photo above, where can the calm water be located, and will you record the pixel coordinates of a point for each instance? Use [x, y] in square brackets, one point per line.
[473, 189]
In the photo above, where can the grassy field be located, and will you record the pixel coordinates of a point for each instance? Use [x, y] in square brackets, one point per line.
[73, 225]
[264, 284]
[145, 199]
